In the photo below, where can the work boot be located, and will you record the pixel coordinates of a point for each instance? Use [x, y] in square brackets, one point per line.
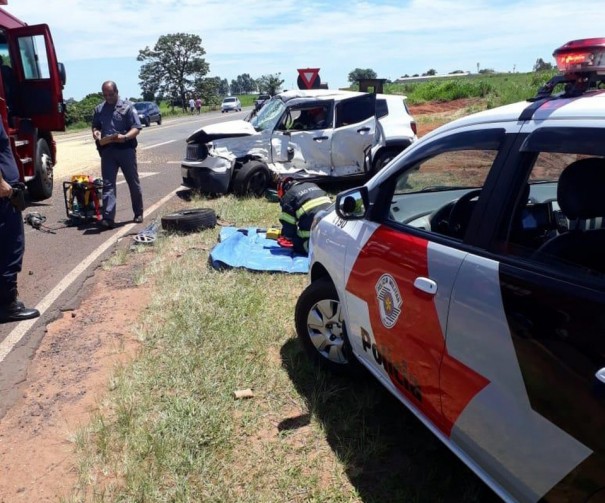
[16, 311]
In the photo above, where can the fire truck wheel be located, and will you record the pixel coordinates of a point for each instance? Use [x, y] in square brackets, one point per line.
[253, 178]
[41, 186]
[193, 220]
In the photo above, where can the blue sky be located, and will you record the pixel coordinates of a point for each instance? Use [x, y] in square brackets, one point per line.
[99, 40]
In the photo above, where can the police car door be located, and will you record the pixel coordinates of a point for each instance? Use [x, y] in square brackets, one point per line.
[297, 144]
[354, 130]
[401, 277]
[533, 323]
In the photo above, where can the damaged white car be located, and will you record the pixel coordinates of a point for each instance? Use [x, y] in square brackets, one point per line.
[312, 134]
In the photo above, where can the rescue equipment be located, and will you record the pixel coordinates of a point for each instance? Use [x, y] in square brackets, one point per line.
[83, 198]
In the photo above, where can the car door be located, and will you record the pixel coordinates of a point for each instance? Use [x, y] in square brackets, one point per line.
[308, 148]
[402, 267]
[353, 135]
[536, 332]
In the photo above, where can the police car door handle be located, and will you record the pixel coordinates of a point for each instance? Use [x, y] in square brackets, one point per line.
[364, 130]
[320, 138]
[426, 285]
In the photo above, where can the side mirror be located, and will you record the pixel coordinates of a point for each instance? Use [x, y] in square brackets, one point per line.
[352, 204]
[62, 74]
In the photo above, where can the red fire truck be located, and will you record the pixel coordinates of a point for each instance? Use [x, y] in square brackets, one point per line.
[31, 99]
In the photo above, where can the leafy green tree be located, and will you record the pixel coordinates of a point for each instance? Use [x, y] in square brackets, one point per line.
[542, 66]
[247, 83]
[79, 112]
[360, 73]
[223, 88]
[173, 65]
[236, 87]
[485, 71]
[270, 84]
[209, 90]
[431, 72]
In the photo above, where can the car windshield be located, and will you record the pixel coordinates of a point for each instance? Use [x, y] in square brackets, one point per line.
[140, 106]
[228, 100]
[269, 115]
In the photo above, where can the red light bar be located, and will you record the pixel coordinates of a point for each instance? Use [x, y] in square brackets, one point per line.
[586, 55]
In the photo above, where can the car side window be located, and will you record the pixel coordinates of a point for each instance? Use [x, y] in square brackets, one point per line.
[354, 110]
[440, 193]
[558, 219]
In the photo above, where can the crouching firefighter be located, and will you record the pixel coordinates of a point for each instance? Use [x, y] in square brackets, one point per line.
[299, 201]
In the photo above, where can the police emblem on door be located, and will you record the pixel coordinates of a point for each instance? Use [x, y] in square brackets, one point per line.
[389, 300]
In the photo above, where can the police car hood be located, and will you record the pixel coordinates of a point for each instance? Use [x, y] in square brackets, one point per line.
[227, 129]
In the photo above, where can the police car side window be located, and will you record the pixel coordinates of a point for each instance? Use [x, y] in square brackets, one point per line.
[440, 193]
[559, 219]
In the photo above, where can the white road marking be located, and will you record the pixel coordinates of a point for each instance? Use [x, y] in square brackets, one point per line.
[157, 145]
[15, 336]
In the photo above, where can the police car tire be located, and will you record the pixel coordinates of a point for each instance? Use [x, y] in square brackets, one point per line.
[253, 179]
[322, 291]
[192, 220]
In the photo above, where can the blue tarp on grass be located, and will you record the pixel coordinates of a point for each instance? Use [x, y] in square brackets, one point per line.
[249, 248]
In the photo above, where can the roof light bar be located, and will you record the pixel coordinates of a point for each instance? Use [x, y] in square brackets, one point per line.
[586, 55]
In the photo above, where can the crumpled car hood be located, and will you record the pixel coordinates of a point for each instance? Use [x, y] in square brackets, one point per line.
[229, 129]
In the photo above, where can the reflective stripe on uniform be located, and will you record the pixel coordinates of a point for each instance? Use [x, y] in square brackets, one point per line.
[309, 205]
[303, 234]
[286, 217]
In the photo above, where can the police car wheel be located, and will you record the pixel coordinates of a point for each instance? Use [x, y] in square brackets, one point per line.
[321, 329]
[192, 220]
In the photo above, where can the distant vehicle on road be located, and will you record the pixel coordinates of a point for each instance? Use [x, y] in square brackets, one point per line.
[231, 103]
[148, 112]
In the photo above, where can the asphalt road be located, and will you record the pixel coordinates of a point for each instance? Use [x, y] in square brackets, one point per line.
[60, 257]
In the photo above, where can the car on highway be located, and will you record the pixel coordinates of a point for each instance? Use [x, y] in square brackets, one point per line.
[231, 103]
[148, 112]
[468, 278]
[246, 156]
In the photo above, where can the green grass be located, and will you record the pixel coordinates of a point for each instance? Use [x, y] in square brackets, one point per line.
[170, 429]
[497, 89]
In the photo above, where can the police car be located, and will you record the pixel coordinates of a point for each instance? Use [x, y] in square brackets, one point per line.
[468, 277]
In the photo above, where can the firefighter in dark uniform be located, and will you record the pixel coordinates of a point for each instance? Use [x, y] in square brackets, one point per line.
[12, 238]
[299, 201]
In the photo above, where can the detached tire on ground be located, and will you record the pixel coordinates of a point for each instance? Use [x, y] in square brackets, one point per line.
[253, 178]
[189, 220]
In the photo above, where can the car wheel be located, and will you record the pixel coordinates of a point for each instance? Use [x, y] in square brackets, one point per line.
[321, 329]
[147, 122]
[41, 186]
[382, 159]
[252, 179]
[159, 120]
[193, 220]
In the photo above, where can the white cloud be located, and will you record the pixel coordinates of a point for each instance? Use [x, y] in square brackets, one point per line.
[258, 37]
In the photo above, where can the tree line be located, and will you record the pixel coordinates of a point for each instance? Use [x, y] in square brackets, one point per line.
[174, 71]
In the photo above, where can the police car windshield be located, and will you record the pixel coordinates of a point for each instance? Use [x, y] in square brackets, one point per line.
[269, 115]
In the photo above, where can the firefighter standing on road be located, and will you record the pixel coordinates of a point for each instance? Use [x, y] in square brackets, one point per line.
[299, 201]
[12, 238]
